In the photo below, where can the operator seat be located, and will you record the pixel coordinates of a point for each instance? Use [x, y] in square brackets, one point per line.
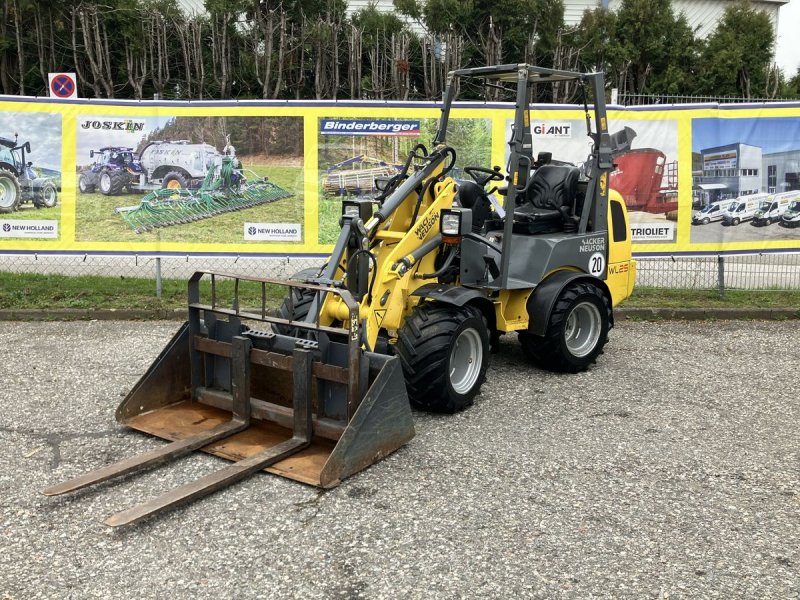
[471, 195]
[549, 202]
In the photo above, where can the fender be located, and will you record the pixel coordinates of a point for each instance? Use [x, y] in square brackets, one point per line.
[457, 296]
[544, 296]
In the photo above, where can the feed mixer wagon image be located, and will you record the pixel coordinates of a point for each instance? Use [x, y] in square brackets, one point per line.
[422, 281]
[190, 182]
[644, 178]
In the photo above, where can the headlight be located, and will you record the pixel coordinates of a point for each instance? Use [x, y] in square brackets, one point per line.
[350, 209]
[451, 223]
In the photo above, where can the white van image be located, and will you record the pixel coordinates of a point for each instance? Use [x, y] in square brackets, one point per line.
[771, 210]
[712, 212]
[791, 216]
[742, 209]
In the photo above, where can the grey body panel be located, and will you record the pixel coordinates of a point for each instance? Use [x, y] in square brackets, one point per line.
[531, 258]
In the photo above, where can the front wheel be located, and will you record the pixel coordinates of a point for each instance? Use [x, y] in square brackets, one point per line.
[576, 331]
[706, 221]
[9, 192]
[444, 351]
[735, 221]
[46, 196]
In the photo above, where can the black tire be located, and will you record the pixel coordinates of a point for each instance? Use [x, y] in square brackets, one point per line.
[576, 332]
[46, 196]
[175, 180]
[735, 221]
[429, 342]
[767, 222]
[9, 192]
[112, 182]
[294, 309]
[84, 187]
[706, 221]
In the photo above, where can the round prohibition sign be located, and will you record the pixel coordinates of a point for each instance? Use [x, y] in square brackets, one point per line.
[62, 86]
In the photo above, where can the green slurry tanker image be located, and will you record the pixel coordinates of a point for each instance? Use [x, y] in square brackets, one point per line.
[223, 189]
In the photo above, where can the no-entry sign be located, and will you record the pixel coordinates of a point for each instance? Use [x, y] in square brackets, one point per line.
[63, 85]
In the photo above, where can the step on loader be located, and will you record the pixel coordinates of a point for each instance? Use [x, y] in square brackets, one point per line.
[423, 280]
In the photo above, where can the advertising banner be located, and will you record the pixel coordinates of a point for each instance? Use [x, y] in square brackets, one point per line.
[268, 178]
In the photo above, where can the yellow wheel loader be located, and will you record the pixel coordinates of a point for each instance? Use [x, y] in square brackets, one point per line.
[422, 282]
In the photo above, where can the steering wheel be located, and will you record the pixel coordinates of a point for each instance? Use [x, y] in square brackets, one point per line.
[482, 175]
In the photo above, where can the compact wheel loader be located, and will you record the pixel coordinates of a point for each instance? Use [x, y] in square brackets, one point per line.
[422, 282]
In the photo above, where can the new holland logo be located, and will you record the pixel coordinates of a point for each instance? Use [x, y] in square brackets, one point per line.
[29, 229]
[273, 232]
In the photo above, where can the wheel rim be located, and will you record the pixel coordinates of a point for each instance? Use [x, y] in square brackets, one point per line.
[174, 185]
[466, 358]
[582, 329]
[50, 197]
[7, 193]
[105, 182]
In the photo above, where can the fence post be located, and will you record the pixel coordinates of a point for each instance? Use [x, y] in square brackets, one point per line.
[158, 277]
[721, 275]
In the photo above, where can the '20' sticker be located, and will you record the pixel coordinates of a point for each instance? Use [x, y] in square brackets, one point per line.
[597, 264]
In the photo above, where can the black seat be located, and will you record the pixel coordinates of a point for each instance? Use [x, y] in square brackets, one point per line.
[471, 195]
[549, 201]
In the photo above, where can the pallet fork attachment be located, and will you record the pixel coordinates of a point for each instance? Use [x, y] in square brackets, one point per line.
[221, 385]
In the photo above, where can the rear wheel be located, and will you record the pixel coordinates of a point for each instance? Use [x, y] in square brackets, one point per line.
[576, 332]
[46, 196]
[444, 351]
[113, 182]
[83, 184]
[9, 192]
[174, 180]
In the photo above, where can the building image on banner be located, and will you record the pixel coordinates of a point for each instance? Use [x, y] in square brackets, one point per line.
[358, 155]
[189, 179]
[645, 172]
[745, 179]
[30, 175]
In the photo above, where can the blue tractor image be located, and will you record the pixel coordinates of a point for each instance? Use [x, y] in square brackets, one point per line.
[114, 169]
[19, 180]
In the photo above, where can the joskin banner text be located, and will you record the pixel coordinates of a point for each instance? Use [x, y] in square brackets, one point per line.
[267, 178]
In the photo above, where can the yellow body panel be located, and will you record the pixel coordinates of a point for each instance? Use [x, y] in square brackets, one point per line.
[621, 267]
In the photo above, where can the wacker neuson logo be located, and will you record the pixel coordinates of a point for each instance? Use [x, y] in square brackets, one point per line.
[273, 232]
[29, 229]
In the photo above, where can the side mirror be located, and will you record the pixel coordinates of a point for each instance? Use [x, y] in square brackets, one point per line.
[91, 153]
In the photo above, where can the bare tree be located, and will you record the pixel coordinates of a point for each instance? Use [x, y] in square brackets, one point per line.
[191, 37]
[95, 48]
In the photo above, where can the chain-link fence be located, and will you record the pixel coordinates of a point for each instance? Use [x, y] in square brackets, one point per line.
[778, 271]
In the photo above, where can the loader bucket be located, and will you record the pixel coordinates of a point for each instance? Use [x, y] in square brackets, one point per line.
[316, 411]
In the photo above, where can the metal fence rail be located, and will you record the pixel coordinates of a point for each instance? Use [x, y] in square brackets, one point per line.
[745, 272]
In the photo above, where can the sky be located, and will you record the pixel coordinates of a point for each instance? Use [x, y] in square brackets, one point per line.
[788, 49]
[769, 134]
[42, 130]
[94, 139]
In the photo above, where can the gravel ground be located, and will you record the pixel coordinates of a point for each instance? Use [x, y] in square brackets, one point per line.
[672, 469]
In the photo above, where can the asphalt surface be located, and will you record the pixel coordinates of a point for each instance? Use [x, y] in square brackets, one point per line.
[670, 470]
